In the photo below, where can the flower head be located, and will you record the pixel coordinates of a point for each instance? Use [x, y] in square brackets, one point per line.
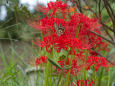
[96, 62]
[41, 60]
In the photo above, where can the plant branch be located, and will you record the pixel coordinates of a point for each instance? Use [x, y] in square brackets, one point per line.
[99, 4]
[107, 27]
[78, 4]
[101, 55]
[107, 32]
[90, 8]
[111, 13]
[111, 42]
[108, 9]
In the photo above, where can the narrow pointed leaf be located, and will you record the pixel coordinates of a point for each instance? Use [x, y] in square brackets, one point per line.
[66, 67]
[54, 63]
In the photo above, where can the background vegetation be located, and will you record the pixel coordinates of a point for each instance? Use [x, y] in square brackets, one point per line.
[16, 48]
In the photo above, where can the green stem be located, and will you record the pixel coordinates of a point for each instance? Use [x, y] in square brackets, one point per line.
[50, 75]
[60, 78]
[47, 73]
[84, 70]
[50, 67]
[59, 82]
[100, 78]
[95, 77]
[84, 74]
[77, 32]
[68, 74]
[108, 83]
[42, 36]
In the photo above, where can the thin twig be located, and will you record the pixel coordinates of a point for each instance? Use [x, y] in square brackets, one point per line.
[99, 4]
[98, 52]
[78, 4]
[110, 12]
[90, 8]
[107, 27]
[107, 32]
[108, 9]
[113, 43]
[101, 55]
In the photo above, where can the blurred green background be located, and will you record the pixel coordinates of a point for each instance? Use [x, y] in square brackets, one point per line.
[16, 48]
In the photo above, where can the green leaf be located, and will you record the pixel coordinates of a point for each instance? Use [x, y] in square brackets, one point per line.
[58, 66]
[66, 67]
[54, 63]
[62, 57]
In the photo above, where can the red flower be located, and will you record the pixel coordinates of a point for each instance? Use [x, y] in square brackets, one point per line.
[54, 6]
[96, 62]
[59, 42]
[62, 63]
[41, 60]
[74, 67]
[84, 83]
[93, 53]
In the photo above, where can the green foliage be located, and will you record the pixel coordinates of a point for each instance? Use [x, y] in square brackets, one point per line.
[10, 75]
[15, 24]
[15, 27]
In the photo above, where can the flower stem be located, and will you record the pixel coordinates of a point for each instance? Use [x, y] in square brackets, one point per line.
[100, 78]
[94, 77]
[60, 79]
[108, 83]
[47, 73]
[68, 74]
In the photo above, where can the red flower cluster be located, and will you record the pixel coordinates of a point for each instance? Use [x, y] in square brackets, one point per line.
[76, 30]
[96, 62]
[74, 68]
[84, 83]
[54, 6]
[41, 60]
[58, 43]
[75, 39]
